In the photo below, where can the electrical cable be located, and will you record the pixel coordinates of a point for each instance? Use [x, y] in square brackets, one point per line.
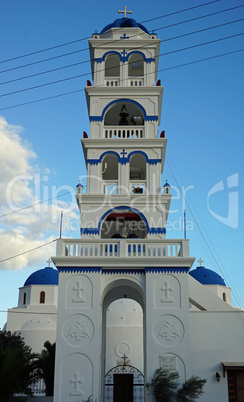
[82, 62]
[86, 38]
[36, 203]
[200, 227]
[81, 90]
[84, 74]
[28, 251]
[15, 311]
[115, 40]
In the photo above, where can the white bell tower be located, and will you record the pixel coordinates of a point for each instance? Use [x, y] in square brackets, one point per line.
[123, 251]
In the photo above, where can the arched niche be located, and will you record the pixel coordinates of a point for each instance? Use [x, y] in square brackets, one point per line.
[138, 167]
[123, 223]
[124, 113]
[136, 65]
[112, 65]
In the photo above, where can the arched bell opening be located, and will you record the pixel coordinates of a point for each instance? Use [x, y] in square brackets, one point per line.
[110, 174]
[124, 113]
[123, 224]
[138, 166]
[123, 341]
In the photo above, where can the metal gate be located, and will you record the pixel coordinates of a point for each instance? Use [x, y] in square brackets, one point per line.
[121, 394]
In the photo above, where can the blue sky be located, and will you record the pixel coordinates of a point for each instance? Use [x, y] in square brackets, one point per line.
[202, 115]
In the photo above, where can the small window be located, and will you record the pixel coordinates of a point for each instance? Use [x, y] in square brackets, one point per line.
[224, 296]
[24, 298]
[42, 297]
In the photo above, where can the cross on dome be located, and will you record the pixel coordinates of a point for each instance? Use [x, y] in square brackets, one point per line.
[49, 262]
[200, 261]
[125, 11]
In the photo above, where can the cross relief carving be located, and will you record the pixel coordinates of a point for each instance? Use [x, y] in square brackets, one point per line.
[167, 289]
[76, 380]
[79, 289]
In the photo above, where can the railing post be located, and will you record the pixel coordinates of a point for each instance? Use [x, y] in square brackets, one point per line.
[184, 248]
[59, 247]
[123, 248]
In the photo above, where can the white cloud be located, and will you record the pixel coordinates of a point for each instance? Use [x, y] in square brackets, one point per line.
[15, 156]
[21, 186]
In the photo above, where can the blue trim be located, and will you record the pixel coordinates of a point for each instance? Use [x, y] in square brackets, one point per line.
[157, 231]
[167, 270]
[79, 269]
[100, 118]
[123, 271]
[124, 58]
[95, 231]
[123, 159]
[151, 118]
[96, 161]
[89, 231]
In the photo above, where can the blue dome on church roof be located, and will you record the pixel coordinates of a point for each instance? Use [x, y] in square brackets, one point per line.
[207, 276]
[124, 23]
[45, 276]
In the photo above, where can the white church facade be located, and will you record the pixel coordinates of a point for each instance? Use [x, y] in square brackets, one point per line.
[126, 303]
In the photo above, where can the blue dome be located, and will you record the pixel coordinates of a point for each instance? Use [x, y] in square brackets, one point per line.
[207, 276]
[124, 23]
[45, 276]
[79, 185]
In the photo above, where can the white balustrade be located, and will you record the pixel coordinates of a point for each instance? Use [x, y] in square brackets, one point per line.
[124, 132]
[112, 82]
[122, 248]
[110, 187]
[136, 82]
[132, 82]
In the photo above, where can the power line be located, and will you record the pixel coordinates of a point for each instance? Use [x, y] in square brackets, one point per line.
[81, 90]
[84, 74]
[36, 203]
[117, 40]
[28, 251]
[180, 11]
[208, 247]
[82, 62]
[15, 311]
[86, 38]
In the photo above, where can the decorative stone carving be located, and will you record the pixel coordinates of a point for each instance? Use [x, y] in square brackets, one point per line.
[76, 380]
[167, 289]
[79, 292]
[167, 292]
[121, 349]
[79, 289]
[168, 362]
[78, 330]
[168, 330]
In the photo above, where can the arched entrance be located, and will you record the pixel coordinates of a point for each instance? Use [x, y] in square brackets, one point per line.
[123, 338]
[124, 383]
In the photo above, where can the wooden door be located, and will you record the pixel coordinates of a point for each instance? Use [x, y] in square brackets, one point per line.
[123, 387]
